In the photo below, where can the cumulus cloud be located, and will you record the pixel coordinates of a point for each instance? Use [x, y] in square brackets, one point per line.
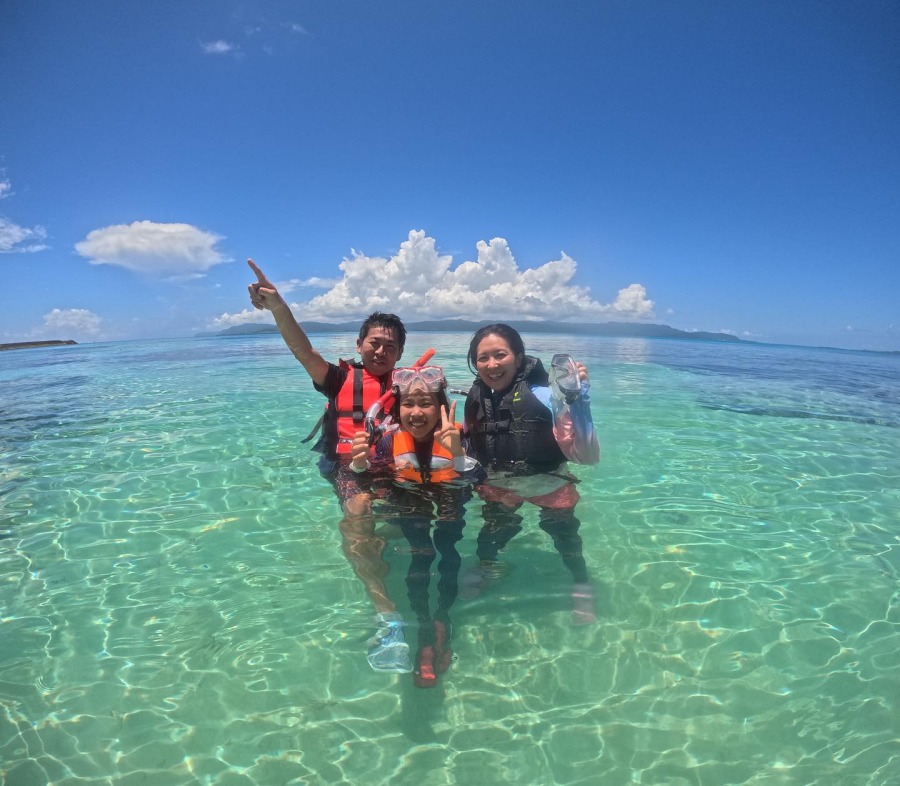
[245, 317]
[218, 47]
[69, 321]
[5, 186]
[166, 250]
[420, 283]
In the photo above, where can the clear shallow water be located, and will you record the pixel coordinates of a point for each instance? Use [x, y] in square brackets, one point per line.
[175, 607]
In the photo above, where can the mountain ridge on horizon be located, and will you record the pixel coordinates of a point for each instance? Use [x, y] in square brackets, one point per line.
[623, 329]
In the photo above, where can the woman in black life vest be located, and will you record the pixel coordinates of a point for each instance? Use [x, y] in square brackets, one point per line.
[514, 433]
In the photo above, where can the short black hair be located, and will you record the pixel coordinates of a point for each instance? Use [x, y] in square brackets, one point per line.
[387, 321]
[507, 333]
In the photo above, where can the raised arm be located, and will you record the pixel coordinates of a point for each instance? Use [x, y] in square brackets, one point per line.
[263, 294]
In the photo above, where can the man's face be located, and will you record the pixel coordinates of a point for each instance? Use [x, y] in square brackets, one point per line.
[380, 350]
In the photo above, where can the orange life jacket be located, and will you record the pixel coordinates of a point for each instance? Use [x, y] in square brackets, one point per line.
[406, 463]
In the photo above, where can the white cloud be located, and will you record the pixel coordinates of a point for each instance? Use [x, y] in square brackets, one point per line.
[419, 283]
[309, 283]
[168, 250]
[218, 47]
[245, 317]
[15, 239]
[632, 303]
[78, 321]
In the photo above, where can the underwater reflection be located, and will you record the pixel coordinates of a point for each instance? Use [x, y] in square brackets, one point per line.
[431, 519]
[505, 498]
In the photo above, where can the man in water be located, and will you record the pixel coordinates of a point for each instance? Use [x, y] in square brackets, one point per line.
[351, 388]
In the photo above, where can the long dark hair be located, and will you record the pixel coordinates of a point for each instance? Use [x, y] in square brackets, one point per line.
[507, 333]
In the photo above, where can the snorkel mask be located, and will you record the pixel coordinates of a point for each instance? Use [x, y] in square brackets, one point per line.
[427, 378]
[565, 381]
[425, 375]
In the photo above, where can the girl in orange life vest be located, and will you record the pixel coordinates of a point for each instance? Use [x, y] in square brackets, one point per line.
[428, 448]
[432, 481]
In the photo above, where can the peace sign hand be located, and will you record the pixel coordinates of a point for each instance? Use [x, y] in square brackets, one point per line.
[263, 293]
[448, 436]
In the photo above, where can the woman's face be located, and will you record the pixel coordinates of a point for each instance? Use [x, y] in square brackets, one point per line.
[419, 413]
[495, 362]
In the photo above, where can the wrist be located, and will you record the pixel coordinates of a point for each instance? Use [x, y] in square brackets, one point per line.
[278, 305]
[360, 466]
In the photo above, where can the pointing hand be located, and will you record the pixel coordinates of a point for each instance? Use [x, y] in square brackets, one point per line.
[262, 292]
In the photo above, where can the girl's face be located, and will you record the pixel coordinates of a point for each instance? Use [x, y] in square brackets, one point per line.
[419, 413]
[495, 362]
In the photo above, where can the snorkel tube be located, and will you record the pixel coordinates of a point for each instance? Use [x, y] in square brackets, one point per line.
[386, 402]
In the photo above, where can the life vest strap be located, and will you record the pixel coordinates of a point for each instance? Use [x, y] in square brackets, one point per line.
[315, 430]
[359, 413]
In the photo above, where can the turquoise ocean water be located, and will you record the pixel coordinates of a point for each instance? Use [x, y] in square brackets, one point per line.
[175, 607]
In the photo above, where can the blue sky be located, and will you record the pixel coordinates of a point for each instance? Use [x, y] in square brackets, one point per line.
[713, 166]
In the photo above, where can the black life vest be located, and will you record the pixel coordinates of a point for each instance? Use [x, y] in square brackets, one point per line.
[516, 432]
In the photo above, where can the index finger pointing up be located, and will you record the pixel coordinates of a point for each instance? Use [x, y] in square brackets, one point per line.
[260, 276]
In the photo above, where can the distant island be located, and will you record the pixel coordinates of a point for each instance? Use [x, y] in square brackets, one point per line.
[34, 344]
[620, 329]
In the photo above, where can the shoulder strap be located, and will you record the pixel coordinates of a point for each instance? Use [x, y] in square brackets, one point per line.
[359, 413]
[315, 429]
